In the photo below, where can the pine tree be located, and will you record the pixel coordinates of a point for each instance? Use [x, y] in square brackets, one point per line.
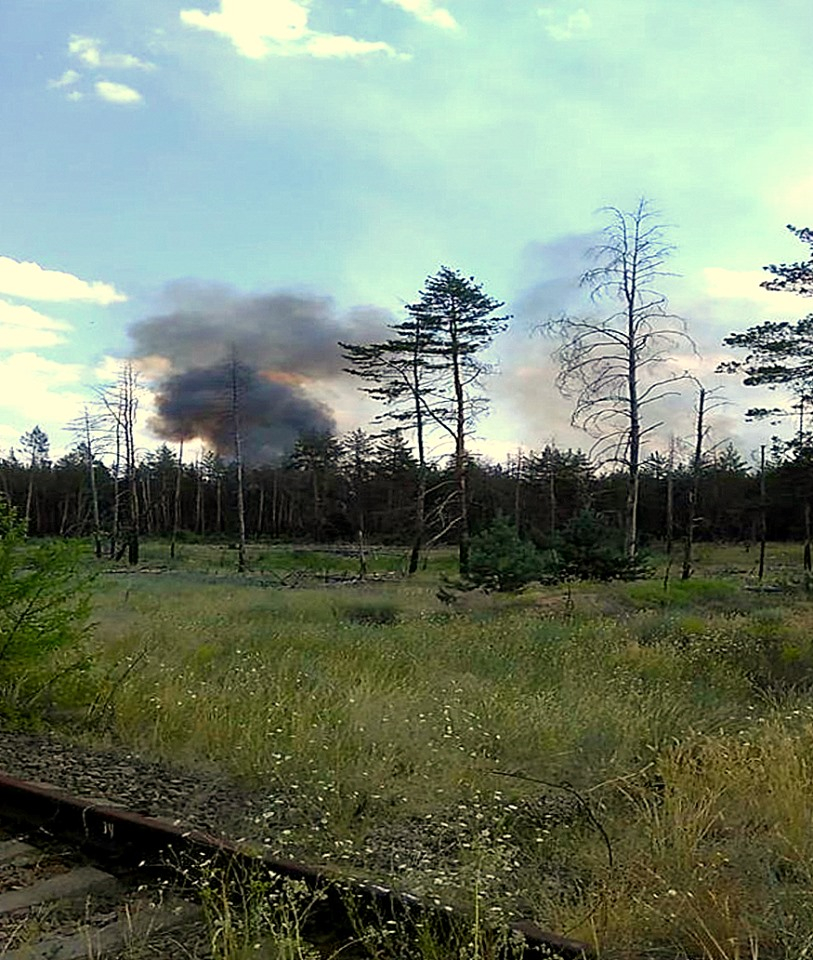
[458, 323]
[402, 377]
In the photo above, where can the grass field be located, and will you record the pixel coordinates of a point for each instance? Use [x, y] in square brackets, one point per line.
[625, 765]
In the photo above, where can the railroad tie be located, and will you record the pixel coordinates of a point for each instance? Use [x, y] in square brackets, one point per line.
[111, 939]
[73, 885]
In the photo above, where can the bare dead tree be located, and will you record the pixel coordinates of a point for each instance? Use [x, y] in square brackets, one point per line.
[128, 408]
[94, 488]
[613, 365]
[763, 514]
[670, 512]
[697, 463]
[706, 401]
[235, 385]
[176, 505]
[90, 431]
[120, 403]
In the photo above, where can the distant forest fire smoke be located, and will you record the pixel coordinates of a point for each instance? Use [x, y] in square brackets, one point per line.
[282, 345]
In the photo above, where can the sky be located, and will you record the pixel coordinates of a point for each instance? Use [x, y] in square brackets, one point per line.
[284, 173]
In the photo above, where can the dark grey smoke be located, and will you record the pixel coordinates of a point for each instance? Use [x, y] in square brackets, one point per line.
[283, 344]
[271, 415]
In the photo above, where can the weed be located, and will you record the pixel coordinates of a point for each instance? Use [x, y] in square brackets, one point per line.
[370, 731]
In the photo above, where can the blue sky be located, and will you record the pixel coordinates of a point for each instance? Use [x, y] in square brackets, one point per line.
[157, 152]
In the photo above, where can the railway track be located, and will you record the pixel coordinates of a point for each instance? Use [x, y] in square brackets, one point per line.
[55, 905]
[81, 879]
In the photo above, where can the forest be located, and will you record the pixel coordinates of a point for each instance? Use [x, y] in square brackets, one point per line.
[330, 487]
[293, 478]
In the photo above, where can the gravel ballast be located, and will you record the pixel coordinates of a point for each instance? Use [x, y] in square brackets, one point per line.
[201, 801]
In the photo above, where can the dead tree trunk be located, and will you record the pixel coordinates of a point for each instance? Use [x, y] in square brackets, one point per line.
[763, 514]
[176, 511]
[238, 463]
[669, 533]
[697, 463]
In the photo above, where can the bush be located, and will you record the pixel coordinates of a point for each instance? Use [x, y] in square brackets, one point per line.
[501, 560]
[589, 549]
[44, 596]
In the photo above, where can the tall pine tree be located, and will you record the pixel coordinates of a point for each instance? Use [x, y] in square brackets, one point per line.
[458, 322]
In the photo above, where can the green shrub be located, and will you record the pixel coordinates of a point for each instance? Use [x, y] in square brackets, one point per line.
[501, 560]
[44, 596]
[589, 549]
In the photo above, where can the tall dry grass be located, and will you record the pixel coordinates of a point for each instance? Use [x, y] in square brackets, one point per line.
[625, 767]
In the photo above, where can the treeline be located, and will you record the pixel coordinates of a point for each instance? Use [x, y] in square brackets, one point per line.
[332, 489]
[616, 363]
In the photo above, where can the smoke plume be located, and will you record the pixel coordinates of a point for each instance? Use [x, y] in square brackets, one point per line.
[264, 355]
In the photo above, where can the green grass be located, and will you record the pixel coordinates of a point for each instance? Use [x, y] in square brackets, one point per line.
[263, 557]
[496, 747]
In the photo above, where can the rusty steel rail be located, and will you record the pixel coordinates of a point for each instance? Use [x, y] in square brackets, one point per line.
[130, 839]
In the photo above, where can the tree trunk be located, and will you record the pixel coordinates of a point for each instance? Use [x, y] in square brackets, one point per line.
[28, 497]
[763, 510]
[362, 553]
[130, 405]
[694, 492]
[552, 502]
[460, 459]
[634, 452]
[318, 510]
[260, 512]
[114, 527]
[148, 512]
[94, 490]
[670, 517]
[238, 462]
[275, 510]
[199, 501]
[419, 531]
[518, 494]
[63, 522]
[176, 511]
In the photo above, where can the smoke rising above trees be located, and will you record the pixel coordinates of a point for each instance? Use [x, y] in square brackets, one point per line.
[197, 403]
[284, 342]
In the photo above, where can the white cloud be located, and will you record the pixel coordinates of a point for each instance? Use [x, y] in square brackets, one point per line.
[116, 92]
[427, 12]
[325, 45]
[18, 338]
[68, 79]
[74, 95]
[745, 285]
[30, 281]
[250, 24]
[22, 327]
[89, 51]
[572, 26]
[41, 382]
[261, 28]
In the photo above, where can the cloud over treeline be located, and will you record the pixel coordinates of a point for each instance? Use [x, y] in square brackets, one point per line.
[270, 350]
